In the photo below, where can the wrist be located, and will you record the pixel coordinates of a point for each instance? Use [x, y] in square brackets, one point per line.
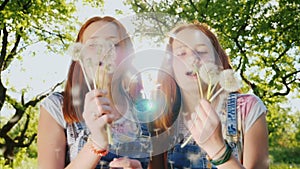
[98, 140]
[95, 148]
[218, 153]
[222, 157]
[216, 149]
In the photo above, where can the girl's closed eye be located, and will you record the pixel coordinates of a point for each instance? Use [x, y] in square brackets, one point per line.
[91, 43]
[180, 51]
[200, 53]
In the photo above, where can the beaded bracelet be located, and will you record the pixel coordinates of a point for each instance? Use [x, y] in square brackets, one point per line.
[96, 149]
[225, 156]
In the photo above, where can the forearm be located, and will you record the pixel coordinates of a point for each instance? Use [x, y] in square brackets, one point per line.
[85, 159]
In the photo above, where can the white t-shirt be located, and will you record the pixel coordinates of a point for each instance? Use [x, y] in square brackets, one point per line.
[53, 104]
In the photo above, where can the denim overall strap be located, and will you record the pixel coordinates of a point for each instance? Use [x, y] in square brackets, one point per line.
[232, 115]
[233, 126]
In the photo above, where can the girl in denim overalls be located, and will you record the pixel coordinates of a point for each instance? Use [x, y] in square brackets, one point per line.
[71, 130]
[232, 119]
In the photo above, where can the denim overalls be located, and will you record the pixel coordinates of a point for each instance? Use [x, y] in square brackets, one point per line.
[77, 135]
[193, 157]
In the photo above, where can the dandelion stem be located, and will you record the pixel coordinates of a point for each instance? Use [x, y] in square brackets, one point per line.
[110, 141]
[208, 90]
[187, 140]
[85, 75]
[216, 94]
[199, 84]
[95, 77]
[212, 90]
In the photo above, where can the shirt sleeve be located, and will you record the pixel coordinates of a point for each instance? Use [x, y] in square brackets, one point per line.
[252, 108]
[53, 104]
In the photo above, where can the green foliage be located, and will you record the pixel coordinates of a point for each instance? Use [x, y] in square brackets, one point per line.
[284, 166]
[285, 155]
[283, 127]
[21, 161]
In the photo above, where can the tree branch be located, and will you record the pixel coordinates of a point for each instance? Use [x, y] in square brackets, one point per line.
[2, 57]
[21, 108]
[243, 65]
[13, 52]
[60, 36]
[286, 84]
[4, 46]
[21, 137]
[3, 5]
[281, 54]
[193, 5]
[26, 144]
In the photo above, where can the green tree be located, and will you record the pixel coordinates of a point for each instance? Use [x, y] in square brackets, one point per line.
[22, 24]
[262, 40]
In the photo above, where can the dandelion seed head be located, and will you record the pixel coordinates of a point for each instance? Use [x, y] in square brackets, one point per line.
[229, 81]
[75, 50]
[209, 73]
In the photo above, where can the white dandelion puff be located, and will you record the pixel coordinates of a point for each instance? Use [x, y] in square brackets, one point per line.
[210, 75]
[74, 51]
[228, 82]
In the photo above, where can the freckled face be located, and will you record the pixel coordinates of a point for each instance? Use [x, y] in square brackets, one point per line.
[191, 48]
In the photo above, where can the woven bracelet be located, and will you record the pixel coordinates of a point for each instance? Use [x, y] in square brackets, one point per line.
[95, 148]
[225, 156]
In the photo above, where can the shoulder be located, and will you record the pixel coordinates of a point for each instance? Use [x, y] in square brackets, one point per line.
[53, 104]
[251, 108]
[55, 97]
[248, 102]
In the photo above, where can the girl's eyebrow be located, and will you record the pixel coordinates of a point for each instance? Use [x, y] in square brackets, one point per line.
[201, 44]
[110, 37]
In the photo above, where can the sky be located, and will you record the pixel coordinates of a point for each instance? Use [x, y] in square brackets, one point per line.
[44, 70]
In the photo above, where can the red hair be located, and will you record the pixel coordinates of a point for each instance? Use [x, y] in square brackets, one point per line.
[76, 88]
[224, 59]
